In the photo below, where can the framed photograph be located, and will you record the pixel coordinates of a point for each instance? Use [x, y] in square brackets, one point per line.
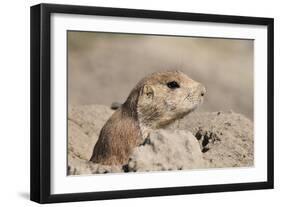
[132, 103]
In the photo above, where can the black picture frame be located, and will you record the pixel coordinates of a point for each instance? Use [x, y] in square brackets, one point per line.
[41, 102]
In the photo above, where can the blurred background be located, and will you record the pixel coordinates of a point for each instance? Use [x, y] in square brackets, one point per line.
[104, 67]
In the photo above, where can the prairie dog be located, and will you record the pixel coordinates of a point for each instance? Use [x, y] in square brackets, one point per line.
[156, 101]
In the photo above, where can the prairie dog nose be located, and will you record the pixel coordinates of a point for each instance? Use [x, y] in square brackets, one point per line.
[202, 90]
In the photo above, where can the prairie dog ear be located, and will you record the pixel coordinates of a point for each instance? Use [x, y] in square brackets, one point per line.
[148, 91]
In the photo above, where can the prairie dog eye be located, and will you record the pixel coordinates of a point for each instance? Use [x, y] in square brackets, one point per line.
[173, 84]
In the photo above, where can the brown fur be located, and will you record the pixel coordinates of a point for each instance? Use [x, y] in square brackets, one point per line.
[114, 148]
[120, 134]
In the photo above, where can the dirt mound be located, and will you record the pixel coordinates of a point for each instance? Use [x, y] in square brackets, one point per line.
[226, 138]
[167, 150]
[200, 140]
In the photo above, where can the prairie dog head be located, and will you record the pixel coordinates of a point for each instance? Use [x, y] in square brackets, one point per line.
[167, 96]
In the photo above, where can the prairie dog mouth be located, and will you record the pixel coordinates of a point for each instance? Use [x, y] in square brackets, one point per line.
[194, 99]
